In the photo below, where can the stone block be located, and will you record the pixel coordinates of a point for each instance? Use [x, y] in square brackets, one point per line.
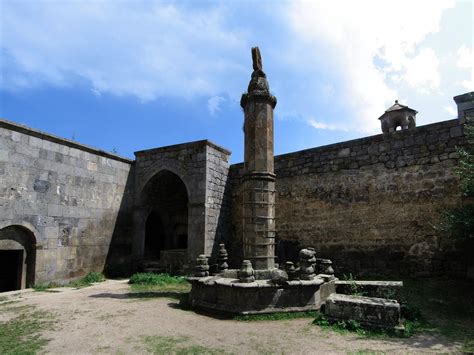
[380, 289]
[368, 311]
[17, 137]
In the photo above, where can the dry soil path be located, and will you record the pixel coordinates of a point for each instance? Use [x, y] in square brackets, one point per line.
[105, 319]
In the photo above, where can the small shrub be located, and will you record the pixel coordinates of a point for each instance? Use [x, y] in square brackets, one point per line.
[45, 287]
[354, 288]
[457, 221]
[468, 347]
[351, 325]
[92, 277]
[42, 287]
[321, 320]
[410, 312]
[87, 280]
[151, 279]
[410, 328]
[389, 293]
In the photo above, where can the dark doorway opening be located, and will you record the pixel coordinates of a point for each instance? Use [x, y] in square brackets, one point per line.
[154, 236]
[166, 228]
[11, 270]
[17, 258]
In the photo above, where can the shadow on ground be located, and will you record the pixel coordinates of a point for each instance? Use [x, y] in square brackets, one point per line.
[178, 296]
[142, 295]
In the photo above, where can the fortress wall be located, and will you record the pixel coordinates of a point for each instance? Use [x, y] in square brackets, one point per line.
[370, 204]
[69, 193]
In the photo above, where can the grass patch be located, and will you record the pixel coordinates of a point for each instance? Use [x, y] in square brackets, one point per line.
[276, 316]
[346, 326]
[442, 306]
[89, 279]
[176, 345]
[445, 305]
[150, 279]
[22, 334]
[151, 285]
[45, 287]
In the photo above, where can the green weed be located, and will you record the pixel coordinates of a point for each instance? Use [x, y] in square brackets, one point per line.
[345, 326]
[468, 347]
[354, 288]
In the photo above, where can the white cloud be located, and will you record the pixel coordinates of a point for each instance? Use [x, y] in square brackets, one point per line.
[320, 125]
[143, 49]
[450, 110]
[346, 61]
[422, 71]
[465, 60]
[465, 57]
[214, 103]
[468, 84]
[369, 42]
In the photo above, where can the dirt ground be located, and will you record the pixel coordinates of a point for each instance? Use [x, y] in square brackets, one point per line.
[109, 318]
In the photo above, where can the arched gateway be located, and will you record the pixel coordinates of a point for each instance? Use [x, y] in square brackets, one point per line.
[164, 200]
[17, 257]
[179, 193]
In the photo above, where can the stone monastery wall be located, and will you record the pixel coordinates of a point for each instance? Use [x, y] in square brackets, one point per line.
[66, 194]
[369, 204]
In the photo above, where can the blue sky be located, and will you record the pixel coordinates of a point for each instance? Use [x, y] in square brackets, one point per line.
[131, 75]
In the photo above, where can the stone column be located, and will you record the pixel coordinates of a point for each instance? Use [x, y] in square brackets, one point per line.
[259, 179]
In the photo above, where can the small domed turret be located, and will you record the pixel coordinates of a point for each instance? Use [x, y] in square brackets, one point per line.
[398, 115]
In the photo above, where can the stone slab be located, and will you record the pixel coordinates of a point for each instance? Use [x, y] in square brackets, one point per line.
[381, 289]
[368, 311]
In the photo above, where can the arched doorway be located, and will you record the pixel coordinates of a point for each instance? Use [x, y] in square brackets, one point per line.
[166, 228]
[17, 258]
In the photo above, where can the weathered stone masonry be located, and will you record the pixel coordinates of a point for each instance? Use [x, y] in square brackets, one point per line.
[203, 168]
[65, 197]
[370, 204]
[67, 209]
